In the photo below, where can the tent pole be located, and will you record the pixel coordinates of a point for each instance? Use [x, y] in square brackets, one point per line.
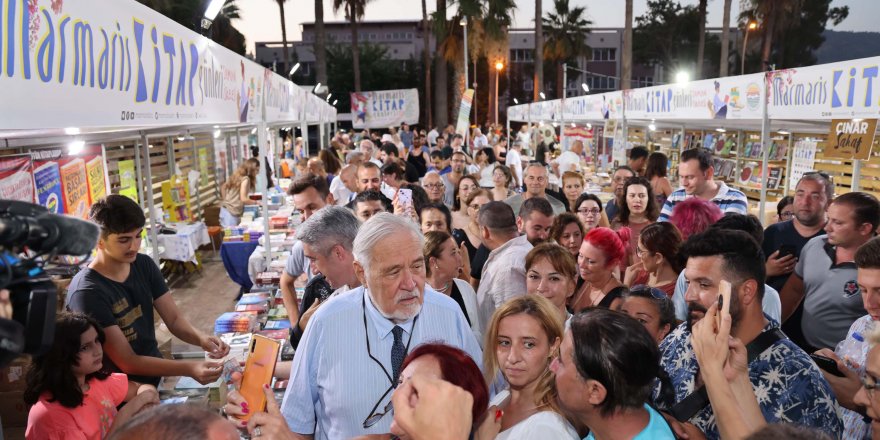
[788, 154]
[765, 150]
[856, 175]
[139, 172]
[154, 234]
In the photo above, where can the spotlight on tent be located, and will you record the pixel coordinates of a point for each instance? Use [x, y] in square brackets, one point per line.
[71, 131]
[294, 69]
[542, 95]
[652, 127]
[585, 87]
[254, 131]
[217, 133]
[515, 101]
[721, 130]
[682, 78]
[211, 13]
[75, 147]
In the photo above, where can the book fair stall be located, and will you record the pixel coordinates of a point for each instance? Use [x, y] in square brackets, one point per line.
[100, 98]
[765, 130]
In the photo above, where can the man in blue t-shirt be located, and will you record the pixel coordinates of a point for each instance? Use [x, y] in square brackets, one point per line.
[120, 288]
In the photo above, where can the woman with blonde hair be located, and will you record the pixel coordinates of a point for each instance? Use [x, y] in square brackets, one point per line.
[572, 187]
[521, 341]
[234, 192]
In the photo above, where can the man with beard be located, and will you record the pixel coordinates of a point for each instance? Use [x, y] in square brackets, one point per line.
[349, 358]
[784, 241]
[535, 219]
[791, 388]
[734, 222]
[825, 276]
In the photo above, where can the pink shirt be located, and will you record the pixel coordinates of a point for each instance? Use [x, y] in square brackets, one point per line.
[91, 420]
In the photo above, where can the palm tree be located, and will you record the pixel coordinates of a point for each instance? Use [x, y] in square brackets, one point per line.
[283, 33]
[320, 43]
[701, 43]
[566, 32]
[539, 51]
[354, 11]
[497, 20]
[441, 28]
[427, 61]
[725, 39]
[626, 63]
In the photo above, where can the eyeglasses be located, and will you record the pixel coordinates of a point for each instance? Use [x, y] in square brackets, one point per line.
[640, 251]
[594, 211]
[434, 185]
[374, 416]
[870, 387]
[656, 293]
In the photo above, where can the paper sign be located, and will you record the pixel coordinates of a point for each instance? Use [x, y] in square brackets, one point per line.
[128, 179]
[851, 138]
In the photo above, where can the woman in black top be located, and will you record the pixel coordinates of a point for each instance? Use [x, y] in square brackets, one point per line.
[418, 157]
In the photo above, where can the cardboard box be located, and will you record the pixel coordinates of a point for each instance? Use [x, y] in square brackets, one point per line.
[12, 377]
[13, 410]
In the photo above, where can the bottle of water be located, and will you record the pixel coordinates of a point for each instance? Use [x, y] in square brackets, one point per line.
[851, 350]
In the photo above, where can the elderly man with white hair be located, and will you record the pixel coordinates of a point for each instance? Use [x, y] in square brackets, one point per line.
[349, 358]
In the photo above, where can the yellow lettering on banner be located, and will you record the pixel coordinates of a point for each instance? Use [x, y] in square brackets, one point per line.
[130, 317]
[119, 306]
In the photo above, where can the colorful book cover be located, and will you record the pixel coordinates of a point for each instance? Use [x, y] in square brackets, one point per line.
[128, 179]
[76, 188]
[16, 179]
[97, 186]
[48, 180]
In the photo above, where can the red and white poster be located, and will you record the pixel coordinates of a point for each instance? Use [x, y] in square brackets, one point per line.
[16, 178]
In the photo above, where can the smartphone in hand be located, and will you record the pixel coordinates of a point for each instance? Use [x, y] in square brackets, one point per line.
[404, 197]
[724, 292]
[826, 363]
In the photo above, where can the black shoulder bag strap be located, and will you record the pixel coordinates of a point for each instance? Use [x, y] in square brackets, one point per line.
[696, 401]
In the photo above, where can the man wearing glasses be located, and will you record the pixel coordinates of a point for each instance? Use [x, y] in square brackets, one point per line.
[845, 388]
[348, 362]
[784, 241]
[437, 188]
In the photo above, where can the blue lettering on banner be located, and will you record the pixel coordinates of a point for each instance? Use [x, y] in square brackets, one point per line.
[799, 94]
[868, 74]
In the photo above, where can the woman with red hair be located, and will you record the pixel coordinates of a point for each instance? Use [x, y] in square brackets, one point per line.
[694, 215]
[602, 251]
[453, 366]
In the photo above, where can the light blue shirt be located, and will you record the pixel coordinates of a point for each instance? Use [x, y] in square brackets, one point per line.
[334, 384]
[657, 428]
[771, 304]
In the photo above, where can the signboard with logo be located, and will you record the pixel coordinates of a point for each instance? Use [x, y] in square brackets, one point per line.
[384, 108]
[851, 138]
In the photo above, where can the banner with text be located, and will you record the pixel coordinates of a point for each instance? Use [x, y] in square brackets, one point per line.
[464, 113]
[16, 178]
[97, 63]
[385, 108]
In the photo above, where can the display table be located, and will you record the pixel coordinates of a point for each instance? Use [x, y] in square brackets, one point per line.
[235, 257]
[182, 245]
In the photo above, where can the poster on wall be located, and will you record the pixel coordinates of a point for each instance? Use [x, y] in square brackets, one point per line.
[16, 179]
[128, 179]
[47, 178]
[82, 176]
[384, 108]
[803, 158]
[76, 188]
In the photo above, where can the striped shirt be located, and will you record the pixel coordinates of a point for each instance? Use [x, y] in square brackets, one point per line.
[728, 199]
[334, 383]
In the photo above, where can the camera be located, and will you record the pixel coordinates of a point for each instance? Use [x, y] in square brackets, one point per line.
[29, 236]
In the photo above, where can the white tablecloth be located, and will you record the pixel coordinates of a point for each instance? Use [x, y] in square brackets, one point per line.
[182, 245]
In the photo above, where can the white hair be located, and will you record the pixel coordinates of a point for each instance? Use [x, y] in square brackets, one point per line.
[376, 229]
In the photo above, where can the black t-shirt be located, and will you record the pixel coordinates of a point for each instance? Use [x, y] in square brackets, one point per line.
[419, 162]
[317, 289]
[128, 305]
[783, 233]
[411, 173]
[479, 261]
[456, 295]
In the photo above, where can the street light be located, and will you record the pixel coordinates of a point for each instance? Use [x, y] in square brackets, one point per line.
[211, 13]
[750, 27]
[682, 78]
[499, 66]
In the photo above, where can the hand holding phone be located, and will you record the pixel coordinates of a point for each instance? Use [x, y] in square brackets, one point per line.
[404, 196]
[724, 293]
[826, 364]
[258, 371]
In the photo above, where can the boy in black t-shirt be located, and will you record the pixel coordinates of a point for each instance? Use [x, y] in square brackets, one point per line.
[121, 287]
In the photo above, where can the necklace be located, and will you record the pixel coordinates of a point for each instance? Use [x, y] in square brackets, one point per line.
[444, 288]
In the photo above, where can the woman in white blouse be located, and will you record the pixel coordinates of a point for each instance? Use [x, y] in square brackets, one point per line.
[521, 340]
[443, 262]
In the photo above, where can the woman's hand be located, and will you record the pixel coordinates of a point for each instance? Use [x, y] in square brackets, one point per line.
[491, 425]
[236, 407]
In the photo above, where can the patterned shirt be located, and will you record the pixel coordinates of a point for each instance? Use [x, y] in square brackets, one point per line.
[788, 385]
[727, 199]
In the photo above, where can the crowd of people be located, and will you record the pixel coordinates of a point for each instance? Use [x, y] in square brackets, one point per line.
[453, 292]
